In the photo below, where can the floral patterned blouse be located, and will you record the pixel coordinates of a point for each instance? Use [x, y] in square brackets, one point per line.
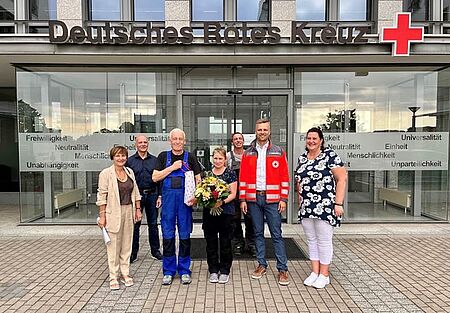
[318, 187]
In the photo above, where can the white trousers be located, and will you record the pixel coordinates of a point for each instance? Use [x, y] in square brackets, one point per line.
[319, 236]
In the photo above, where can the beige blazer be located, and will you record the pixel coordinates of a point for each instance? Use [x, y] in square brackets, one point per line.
[108, 194]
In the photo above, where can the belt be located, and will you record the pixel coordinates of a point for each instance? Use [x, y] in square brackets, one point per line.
[148, 191]
[261, 192]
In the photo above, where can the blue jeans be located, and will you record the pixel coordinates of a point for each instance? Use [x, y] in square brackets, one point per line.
[258, 210]
[148, 203]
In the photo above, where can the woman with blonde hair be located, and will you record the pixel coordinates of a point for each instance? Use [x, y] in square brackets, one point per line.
[119, 205]
[217, 229]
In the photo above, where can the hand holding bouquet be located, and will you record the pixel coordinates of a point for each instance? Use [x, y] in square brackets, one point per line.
[210, 192]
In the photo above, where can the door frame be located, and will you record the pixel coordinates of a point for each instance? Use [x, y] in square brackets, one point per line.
[289, 93]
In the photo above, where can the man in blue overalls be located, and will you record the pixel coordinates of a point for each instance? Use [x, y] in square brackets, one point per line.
[170, 169]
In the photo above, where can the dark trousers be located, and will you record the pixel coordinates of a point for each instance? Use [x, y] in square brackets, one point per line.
[218, 233]
[148, 203]
[238, 234]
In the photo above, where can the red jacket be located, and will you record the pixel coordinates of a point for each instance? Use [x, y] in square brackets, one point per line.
[277, 174]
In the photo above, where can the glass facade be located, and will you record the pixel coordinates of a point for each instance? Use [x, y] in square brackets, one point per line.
[367, 104]
[73, 113]
[405, 109]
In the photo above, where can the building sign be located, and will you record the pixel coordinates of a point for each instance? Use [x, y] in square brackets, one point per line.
[402, 35]
[386, 151]
[49, 152]
[213, 33]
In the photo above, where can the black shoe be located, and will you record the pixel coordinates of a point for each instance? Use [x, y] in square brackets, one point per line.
[237, 250]
[133, 259]
[157, 256]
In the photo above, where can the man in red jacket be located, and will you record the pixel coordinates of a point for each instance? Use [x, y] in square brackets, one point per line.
[263, 192]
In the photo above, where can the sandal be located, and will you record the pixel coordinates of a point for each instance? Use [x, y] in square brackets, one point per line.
[114, 284]
[127, 281]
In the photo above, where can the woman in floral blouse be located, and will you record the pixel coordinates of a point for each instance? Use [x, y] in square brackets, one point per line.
[321, 178]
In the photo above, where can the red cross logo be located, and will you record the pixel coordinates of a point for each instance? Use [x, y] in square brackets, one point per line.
[402, 35]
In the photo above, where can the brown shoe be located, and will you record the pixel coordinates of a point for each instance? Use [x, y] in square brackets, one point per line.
[283, 278]
[259, 272]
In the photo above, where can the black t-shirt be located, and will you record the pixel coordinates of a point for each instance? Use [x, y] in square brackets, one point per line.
[192, 161]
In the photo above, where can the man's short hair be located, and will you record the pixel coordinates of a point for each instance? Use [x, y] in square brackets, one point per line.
[140, 135]
[237, 133]
[177, 130]
[262, 121]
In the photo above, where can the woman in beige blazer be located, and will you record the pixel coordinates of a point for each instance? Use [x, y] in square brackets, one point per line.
[119, 205]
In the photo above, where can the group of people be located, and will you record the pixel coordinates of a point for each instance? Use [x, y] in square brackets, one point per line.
[258, 180]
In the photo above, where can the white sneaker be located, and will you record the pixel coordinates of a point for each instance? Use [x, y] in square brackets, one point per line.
[321, 282]
[311, 279]
[213, 278]
[223, 278]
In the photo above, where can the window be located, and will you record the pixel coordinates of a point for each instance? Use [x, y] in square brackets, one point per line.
[311, 10]
[230, 10]
[42, 9]
[446, 9]
[108, 10]
[419, 9]
[252, 10]
[145, 10]
[333, 10]
[211, 10]
[352, 10]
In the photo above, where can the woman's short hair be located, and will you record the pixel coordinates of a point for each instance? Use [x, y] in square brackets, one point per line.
[118, 150]
[220, 150]
[320, 133]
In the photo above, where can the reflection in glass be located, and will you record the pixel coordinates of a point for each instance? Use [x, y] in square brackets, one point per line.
[43, 9]
[104, 10]
[419, 9]
[352, 10]
[145, 10]
[446, 6]
[6, 10]
[84, 106]
[372, 101]
[311, 10]
[253, 10]
[211, 10]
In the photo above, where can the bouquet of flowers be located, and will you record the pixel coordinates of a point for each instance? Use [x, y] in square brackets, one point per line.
[210, 191]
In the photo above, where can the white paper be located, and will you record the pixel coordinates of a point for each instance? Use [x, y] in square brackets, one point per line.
[105, 235]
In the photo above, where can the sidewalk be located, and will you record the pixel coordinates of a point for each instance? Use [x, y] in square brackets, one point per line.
[376, 268]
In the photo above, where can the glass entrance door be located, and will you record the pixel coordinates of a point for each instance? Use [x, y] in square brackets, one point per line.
[210, 120]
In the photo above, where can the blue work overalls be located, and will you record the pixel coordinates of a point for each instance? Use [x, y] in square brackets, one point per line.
[175, 212]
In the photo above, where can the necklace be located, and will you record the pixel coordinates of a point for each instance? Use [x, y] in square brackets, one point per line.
[121, 176]
[313, 156]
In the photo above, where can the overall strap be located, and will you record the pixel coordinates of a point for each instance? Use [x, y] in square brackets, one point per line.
[168, 158]
[185, 161]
